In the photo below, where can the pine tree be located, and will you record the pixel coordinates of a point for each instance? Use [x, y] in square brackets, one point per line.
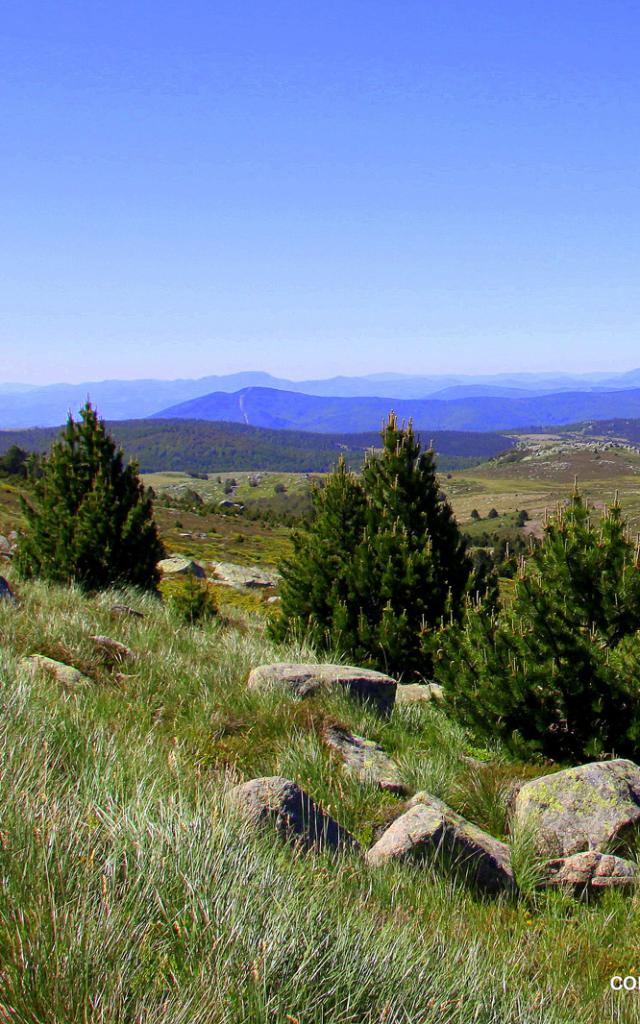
[317, 589]
[412, 566]
[556, 670]
[91, 520]
[382, 563]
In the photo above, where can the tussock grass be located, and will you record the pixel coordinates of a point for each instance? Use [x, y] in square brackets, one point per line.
[128, 893]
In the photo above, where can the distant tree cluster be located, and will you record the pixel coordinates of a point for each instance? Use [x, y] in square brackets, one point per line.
[15, 462]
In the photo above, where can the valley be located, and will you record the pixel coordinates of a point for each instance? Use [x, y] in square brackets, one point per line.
[533, 477]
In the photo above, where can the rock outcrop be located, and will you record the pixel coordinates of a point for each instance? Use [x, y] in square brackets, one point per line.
[366, 759]
[113, 650]
[123, 611]
[592, 807]
[591, 872]
[226, 503]
[409, 693]
[69, 676]
[430, 830]
[242, 577]
[180, 566]
[304, 680]
[283, 805]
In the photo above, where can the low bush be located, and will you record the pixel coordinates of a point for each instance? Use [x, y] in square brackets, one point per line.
[192, 599]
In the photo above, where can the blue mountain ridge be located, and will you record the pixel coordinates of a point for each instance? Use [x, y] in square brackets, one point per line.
[30, 405]
[268, 407]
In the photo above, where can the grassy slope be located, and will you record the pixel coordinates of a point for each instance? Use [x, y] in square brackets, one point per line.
[249, 488]
[547, 476]
[129, 894]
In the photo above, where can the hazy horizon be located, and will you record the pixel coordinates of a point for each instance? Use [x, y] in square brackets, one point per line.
[508, 372]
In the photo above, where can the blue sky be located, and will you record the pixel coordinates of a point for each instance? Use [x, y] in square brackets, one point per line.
[318, 188]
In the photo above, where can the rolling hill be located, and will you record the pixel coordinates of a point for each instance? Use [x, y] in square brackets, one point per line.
[616, 429]
[285, 410]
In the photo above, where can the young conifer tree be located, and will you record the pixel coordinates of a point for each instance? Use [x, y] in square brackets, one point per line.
[413, 564]
[382, 562]
[317, 591]
[90, 520]
[555, 671]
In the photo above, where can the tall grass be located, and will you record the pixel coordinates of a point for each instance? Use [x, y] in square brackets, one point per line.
[129, 893]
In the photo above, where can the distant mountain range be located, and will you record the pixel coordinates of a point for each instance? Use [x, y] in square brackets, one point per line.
[24, 405]
[286, 410]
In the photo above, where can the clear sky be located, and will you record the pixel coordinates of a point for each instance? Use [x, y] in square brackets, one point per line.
[318, 188]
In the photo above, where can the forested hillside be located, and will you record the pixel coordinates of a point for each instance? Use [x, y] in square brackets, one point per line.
[204, 447]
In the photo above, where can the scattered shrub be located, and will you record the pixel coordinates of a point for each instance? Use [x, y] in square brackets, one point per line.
[192, 599]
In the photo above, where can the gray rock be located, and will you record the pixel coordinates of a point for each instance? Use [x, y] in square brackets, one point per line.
[429, 830]
[243, 576]
[6, 593]
[112, 649]
[590, 807]
[282, 804]
[409, 693]
[225, 503]
[304, 680]
[591, 872]
[179, 566]
[366, 759]
[123, 611]
[5, 546]
[65, 674]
